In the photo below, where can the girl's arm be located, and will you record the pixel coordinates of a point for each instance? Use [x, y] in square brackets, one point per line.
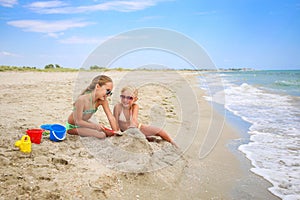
[109, 115]
[135, 111]
[116, 115]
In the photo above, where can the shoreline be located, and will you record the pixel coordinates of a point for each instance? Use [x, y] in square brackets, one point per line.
[250, 181]
[219, 175]
[246, 185]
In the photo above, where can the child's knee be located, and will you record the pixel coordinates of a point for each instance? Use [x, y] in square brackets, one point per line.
[102, 135]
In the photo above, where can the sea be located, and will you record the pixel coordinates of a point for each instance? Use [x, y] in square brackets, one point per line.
[268, 102]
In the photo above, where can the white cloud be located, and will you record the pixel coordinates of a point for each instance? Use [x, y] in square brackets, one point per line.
[46, 4]
[125, 6]
[55, 35]
[58, 7]
[8, 54]
[52, 28]
[8, 3]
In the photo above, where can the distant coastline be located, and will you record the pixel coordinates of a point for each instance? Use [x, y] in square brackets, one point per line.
[57, 68]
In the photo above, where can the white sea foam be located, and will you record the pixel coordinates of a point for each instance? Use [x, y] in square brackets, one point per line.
[207, 98]
[275, 136]
[274, 147]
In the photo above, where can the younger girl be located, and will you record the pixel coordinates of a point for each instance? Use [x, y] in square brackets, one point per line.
[87, 104]
[126, 115]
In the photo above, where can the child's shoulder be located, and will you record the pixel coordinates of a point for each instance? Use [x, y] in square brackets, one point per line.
[82, 96]
[81, 99]
[135, 105]
[118, 105]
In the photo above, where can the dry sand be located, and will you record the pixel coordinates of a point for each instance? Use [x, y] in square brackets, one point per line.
[125, 167]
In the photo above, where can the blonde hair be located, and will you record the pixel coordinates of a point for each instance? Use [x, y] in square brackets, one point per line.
[131, 89]
[100, 80]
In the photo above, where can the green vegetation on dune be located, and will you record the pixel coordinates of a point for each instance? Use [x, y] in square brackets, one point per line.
[4, 68]
[57, 68]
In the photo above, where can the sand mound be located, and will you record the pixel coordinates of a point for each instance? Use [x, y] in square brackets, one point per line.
[132, 152]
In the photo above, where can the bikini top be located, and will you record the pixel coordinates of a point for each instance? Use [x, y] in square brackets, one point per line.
[90, 111]
[122, 117]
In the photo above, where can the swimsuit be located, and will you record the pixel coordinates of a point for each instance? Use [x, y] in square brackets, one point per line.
[122, 118]
[90, 111]
[70, 126]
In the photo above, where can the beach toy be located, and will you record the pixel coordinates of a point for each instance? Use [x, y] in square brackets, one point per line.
[24, 144]
[35, 135]
[109, 130]
[46, 128]
[118, 133]
[57, 132]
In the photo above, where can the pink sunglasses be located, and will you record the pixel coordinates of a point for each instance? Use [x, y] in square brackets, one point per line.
[126, 97]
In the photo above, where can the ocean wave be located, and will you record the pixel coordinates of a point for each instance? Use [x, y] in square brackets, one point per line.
[274, 133]
[289, 83]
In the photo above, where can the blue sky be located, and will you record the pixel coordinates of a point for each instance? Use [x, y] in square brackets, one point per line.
[261, 34]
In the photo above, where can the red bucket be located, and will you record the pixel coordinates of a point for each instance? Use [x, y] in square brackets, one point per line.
[35, 135]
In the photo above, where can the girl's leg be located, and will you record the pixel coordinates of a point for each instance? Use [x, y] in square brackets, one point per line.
[87, 132]
[72, 131]
[155, 131]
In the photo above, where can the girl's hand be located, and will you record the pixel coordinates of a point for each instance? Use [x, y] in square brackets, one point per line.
[103, 102]
[99, 127]
[108, 132]
[133, 124]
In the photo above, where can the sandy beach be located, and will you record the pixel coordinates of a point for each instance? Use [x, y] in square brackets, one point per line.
[125, 167]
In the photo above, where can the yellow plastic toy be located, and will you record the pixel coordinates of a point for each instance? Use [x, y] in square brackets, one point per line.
[24, 144]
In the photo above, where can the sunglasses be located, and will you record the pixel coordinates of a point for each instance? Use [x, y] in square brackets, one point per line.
[108, 92]
[126, 97]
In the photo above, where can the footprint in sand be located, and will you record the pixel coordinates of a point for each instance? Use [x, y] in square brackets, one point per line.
[59, 161]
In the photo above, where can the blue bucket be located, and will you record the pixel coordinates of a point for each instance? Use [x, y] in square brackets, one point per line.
[57, 132]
